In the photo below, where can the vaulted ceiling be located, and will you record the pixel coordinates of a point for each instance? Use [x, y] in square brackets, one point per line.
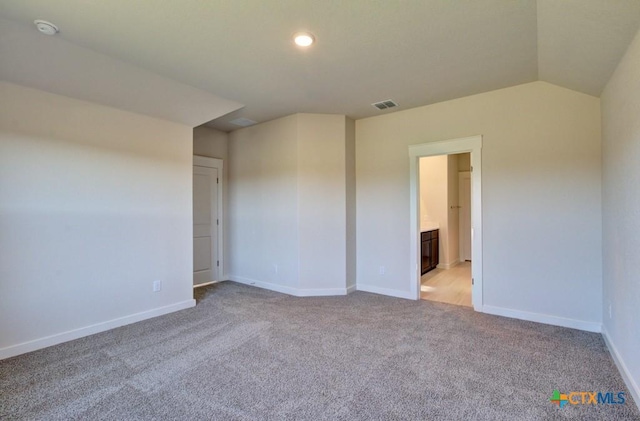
[240, 52]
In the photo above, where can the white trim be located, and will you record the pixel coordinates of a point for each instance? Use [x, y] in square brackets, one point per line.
[265, 285]
[385, 291]
[352, 288]
[544, 318]
[448, 265]
[622, 367]
[320, 292]
[296, 292]
[205, 161]
[473, 145]
[13, 350]
[206, 283]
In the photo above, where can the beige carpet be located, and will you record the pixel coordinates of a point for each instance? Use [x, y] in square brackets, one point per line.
[248, 354]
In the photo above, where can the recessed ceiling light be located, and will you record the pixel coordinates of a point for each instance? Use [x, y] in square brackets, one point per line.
[45, 27]
[303, 39]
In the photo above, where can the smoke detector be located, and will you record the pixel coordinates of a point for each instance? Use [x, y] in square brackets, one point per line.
[45, 27]
[383, 105]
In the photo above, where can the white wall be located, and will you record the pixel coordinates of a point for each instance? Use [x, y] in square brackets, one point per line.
[288, 204]
[541, 197]
[210, 142]
[438, 201]
[464, 162]
[350, 191]
[322, 201]
[621, 215]
[95, 204]
[433, 190]
[453, 217]
[263, 204]
[433, 201]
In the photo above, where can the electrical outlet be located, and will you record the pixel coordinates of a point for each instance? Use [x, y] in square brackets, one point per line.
[157, 286]
[610, 311]
[382, 270]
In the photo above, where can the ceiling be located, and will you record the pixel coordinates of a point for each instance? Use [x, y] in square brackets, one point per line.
[54, 65]
[415, 52]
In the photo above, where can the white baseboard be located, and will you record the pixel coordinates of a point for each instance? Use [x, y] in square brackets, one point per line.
[204, 284]
[622, 367]
[386, 291]
[448, 265]
[321, 292]
[34, 345]
[260, 284]
[351, 288]
[543, 318]
[296, 292]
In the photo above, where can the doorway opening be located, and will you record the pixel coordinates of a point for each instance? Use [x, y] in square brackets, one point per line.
[445, 228]
[421, 230]
[207, 221]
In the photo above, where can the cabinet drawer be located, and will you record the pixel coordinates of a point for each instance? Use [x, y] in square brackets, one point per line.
[428, 235]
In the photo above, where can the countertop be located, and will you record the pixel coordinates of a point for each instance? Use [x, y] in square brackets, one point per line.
[429, 227]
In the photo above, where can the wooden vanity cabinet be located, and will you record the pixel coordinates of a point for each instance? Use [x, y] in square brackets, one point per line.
[429, 250]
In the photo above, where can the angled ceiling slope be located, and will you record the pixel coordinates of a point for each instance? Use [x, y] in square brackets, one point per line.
[55, 65]
[415, 52]
[580, 42]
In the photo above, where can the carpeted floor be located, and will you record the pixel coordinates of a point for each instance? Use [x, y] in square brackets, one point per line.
[248, 354]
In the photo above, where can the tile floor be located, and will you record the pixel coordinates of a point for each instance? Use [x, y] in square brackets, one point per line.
[451, 286]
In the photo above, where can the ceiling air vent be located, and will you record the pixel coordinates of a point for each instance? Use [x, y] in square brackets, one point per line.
[243, 122]
[383, 105]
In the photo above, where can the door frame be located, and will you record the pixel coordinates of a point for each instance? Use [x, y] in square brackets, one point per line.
[473, 145]
[205, 161]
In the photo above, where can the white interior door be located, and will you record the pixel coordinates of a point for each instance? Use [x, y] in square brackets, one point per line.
[464, 200]
[206, 259]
